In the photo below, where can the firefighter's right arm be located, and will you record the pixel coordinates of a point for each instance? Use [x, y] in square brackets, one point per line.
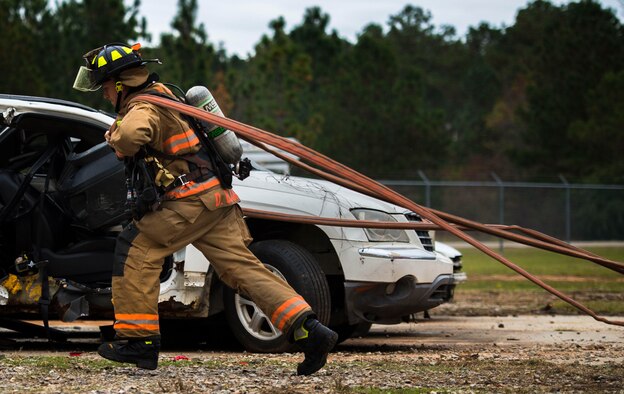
[136, 129]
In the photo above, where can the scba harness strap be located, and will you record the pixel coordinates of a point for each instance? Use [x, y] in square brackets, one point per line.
[213, 160]
[197, 164]
[143, 195]
[145, 185]
[150, 183]
[199, 169]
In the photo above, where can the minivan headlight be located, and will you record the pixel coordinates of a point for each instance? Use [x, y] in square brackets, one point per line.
[380, 234]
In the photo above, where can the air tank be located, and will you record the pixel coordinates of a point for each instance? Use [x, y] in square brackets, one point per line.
[225, 140]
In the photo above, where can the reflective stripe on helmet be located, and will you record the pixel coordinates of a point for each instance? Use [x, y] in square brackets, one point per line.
[115, 55]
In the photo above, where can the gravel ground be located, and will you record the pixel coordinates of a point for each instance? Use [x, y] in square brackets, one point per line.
[521, 354]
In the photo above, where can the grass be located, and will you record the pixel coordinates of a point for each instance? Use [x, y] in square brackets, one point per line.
[55, 362]
[514, 282]
[540, 262]
[435, 371]
[67, 362]
[600, 288]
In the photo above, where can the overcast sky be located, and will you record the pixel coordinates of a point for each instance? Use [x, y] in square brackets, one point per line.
[239, 24]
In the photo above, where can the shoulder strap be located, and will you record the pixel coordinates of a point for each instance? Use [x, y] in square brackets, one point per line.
[162, 155]
[221, 169]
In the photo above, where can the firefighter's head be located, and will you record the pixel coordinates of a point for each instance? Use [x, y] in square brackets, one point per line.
[112, 67]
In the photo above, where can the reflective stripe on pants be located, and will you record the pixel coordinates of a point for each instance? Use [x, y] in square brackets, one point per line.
[289, 309]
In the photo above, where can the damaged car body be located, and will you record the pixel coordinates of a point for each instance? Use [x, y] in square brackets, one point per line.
[62, 204]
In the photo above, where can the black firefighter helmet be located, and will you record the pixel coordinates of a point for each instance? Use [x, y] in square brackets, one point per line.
[107, 62]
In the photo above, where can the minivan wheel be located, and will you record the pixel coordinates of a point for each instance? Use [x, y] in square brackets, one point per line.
[299, 268]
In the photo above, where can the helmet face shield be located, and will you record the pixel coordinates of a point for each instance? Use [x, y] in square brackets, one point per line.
[84, 80]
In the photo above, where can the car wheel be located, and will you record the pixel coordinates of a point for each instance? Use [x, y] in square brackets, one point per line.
[299, 268]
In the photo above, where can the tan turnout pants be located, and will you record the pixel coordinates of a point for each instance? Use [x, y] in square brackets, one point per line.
[221, 234]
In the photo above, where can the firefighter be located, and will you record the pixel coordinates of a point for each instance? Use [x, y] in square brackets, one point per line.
[181, 201]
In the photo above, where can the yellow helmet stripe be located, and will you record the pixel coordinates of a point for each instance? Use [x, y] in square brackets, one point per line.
[127, 50]
[115, 55]
[101, 61]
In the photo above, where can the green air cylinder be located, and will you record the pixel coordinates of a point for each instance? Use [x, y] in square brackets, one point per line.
[225, 140]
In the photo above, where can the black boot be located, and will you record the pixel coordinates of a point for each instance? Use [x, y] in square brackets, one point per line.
[142, 352]
[316, 341]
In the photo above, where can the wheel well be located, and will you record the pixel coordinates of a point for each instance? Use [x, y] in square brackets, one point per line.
[310, 237]
[318, 244]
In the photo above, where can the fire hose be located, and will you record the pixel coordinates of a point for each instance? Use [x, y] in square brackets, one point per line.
[351, 179]
[547, 242]
[563, 248]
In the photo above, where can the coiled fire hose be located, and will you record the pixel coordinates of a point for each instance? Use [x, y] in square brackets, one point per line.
[349, 178]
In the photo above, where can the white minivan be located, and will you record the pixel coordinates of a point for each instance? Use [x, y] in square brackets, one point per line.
[62, 195]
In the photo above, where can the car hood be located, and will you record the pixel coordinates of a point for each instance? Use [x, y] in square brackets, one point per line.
[447, 250]
[14, 105]
[299, 195]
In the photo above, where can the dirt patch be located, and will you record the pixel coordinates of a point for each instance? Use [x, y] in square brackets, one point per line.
[495, 341]
[522, 354]
[503, 303]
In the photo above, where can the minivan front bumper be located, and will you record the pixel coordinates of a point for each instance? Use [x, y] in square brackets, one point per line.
[391, 303]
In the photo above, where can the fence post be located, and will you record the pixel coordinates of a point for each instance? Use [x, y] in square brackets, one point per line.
[568, 209]
[427, 188]
[501, 207]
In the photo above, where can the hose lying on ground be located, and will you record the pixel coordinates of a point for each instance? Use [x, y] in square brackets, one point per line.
[349, 178]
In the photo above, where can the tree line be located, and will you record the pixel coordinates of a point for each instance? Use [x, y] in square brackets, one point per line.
[539, 98]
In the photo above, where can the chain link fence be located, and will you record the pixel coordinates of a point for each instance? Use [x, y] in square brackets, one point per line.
[568, 211]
